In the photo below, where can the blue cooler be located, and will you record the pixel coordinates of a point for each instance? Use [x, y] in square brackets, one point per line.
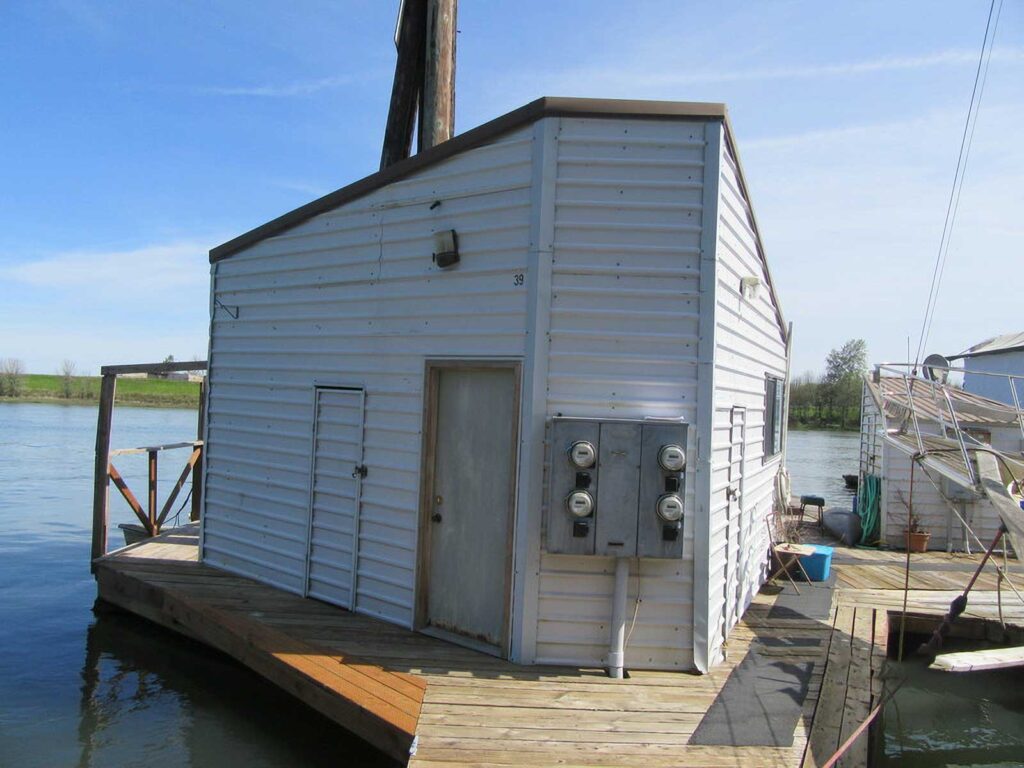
[818, 564]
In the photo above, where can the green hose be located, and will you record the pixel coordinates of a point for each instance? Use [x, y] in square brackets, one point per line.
[868, 509]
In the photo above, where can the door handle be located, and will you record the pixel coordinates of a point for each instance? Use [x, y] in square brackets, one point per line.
[436, 517]
[359, 471]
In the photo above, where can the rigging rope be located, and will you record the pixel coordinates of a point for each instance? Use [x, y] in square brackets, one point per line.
[958, 176]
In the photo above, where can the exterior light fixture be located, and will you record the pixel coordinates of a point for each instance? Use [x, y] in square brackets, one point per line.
[446, 248]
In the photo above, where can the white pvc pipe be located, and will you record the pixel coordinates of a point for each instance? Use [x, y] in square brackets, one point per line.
[617, 652]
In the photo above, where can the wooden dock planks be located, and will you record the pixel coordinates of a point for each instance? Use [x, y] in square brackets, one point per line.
[976, 661]
[396, 688]
[399, 689]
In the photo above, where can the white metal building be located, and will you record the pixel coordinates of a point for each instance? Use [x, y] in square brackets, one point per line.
[609, 266]
[935, 499]
[999, 355]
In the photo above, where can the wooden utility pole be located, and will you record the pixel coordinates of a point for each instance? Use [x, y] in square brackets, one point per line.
[438, 124]
[408, 83]
[424, 79]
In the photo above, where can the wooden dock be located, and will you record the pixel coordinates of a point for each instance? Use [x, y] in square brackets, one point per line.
[430, 703]
[867, 604]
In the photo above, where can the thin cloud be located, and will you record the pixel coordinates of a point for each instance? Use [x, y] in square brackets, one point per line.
[132, 272]
[655, 75]
[285, 90]
[930, 122]
[843, 69]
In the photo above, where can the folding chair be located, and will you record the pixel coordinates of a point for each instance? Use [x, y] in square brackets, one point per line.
[785, 553]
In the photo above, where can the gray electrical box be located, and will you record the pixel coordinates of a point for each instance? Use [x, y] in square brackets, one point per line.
[617, 487]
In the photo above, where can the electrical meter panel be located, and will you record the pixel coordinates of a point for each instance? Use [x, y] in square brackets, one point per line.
[617, 487]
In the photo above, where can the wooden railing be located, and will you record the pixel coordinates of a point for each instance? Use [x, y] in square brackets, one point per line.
[152, 520]
[105, 472]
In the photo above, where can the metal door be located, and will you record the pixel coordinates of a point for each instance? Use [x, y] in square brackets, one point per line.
[471, 463]
[736, 527]
[332, 553]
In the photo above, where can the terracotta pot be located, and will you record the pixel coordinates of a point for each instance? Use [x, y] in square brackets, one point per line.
[917, 541]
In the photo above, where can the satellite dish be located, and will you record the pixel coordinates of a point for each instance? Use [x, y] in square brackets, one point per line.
[936, 368]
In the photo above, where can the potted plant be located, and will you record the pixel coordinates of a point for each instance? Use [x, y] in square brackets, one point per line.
[917, 537]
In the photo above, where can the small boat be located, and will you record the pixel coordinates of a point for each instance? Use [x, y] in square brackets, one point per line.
[133, 534]
[851, 481]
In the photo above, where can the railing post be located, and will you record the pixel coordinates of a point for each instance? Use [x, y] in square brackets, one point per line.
[153, 530]
[197, 470]
[101, 479]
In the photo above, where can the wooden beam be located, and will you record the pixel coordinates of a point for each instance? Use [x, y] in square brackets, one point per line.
[151, 506]
[190, 465]
[148, 448]
[126, 492]
[193, 365]
[407, 85]
[438, 124]
[974, 661]
[197, 470]
[101, 479]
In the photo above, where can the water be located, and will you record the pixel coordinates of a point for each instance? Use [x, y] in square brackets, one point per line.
[112, 690]
[951, 719]
[817, 462]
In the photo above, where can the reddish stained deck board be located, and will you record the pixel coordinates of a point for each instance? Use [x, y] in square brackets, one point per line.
[390, 685]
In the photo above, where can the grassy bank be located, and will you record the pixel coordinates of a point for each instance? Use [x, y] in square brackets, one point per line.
[163, 393]
[834, 418]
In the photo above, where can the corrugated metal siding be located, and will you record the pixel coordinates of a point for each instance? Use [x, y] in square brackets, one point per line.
[931, 507]
[623, 343]
[997, 388]
[334, 507]
[749, 346]
[870, 440]
[351, 297]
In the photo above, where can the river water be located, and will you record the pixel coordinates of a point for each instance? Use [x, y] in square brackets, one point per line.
[78, 689]
[111, 690]
[817, 462]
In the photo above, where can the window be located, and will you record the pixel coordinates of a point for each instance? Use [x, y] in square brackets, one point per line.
[773, 415]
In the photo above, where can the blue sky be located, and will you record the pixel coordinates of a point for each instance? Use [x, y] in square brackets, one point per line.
[135, 136]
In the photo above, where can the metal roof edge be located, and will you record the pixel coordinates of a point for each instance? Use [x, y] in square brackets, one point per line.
[744, 188]
[547, 106]
[985, 352]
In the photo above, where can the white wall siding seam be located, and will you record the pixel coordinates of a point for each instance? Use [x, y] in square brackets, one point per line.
[702, 631]
[529, 504]
[212, 308]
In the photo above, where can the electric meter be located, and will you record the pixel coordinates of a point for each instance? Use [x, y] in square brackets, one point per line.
[672, 458]
[581, 503]
[670, 507]
[582, 454]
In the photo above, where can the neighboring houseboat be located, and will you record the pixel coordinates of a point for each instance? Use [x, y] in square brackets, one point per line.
[914, 425]
[509, 388]
[999, 355]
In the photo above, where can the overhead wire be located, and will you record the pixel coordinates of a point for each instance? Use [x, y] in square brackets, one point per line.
[967, 138]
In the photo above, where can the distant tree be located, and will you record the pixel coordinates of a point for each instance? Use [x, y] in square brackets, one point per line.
[67, 378]
[169, 359]
[802, 391]
[12, 373]
[851, 359]
[841, 385]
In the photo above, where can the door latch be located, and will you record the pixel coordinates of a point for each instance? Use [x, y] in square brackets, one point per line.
[436, 517]
[360, 471]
